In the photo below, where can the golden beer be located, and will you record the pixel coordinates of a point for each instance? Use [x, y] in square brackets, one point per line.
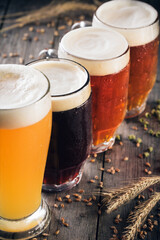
[25, 127]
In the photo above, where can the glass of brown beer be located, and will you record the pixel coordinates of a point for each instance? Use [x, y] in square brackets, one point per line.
[25, 127]
[139, 24]
[71, 135]
[105, 54]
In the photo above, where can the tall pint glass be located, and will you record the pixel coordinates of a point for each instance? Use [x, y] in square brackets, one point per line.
[71, 135]
[105, 54]
[25, 127]
[138, 22]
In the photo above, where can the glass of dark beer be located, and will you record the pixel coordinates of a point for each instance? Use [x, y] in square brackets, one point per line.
[138, 22]
[105, 54]
[71, 134]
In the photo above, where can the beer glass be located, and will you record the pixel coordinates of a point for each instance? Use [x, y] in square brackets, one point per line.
[25, 127]
[105, 54]
[71, 135]
[139, 24]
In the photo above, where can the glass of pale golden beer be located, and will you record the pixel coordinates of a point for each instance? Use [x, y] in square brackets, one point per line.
[105, 54]
[139, 24]
[25, 127]
[71, 136]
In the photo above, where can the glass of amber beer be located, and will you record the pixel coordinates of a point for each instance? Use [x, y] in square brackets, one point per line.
[105, 54]
[25, 127]
[71, 135]
[138, 22]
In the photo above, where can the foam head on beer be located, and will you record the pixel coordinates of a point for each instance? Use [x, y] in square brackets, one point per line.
[66, 79]
[20, 88]
[139, 17]
[99, 50]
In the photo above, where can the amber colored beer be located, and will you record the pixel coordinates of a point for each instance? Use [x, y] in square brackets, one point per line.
[105, 54]
[109, 104]
[138, 22]
[144, 60]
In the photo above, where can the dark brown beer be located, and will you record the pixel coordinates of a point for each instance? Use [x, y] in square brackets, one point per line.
[70, 144]
[71, 136]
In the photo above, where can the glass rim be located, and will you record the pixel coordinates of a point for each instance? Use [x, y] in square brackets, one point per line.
[30, 104]
[130, 29]
[67, 60]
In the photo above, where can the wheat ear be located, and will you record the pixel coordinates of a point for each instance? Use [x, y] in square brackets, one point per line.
[138, 217]
[50, 11]
[115, 198]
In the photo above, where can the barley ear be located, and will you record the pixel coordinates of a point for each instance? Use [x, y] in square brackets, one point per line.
[138, 217]
[113, 200]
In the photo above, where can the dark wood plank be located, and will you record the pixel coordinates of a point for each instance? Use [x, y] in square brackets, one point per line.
[3, 10]
[13, 43]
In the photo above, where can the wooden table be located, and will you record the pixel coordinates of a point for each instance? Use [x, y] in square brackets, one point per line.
[85, 222]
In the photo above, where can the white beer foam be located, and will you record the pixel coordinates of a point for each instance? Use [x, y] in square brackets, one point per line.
[100, 51]
[134, 19]
[65, 78]
[21, 90]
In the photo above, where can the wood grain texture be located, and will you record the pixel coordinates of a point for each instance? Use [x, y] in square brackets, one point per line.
[84, 221]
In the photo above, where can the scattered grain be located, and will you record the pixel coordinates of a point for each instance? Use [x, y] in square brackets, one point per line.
[45, 234]
[21, 60]
[30, 29]
[56, 33]
[62, 27]
[108, 160]
[102, 169]
[35, 39]
[59, 199]
[89, 204]
[91, 181]
[81, 190]
[148, 164]
[66, 224]
[67, 196]
[57, 232]
[31, 56]
[55, 205]
[92, 160]
[134, 128]
[4, 55]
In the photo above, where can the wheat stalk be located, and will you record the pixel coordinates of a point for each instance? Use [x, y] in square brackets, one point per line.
[138, 217]
[115, 198]
[50, 11]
